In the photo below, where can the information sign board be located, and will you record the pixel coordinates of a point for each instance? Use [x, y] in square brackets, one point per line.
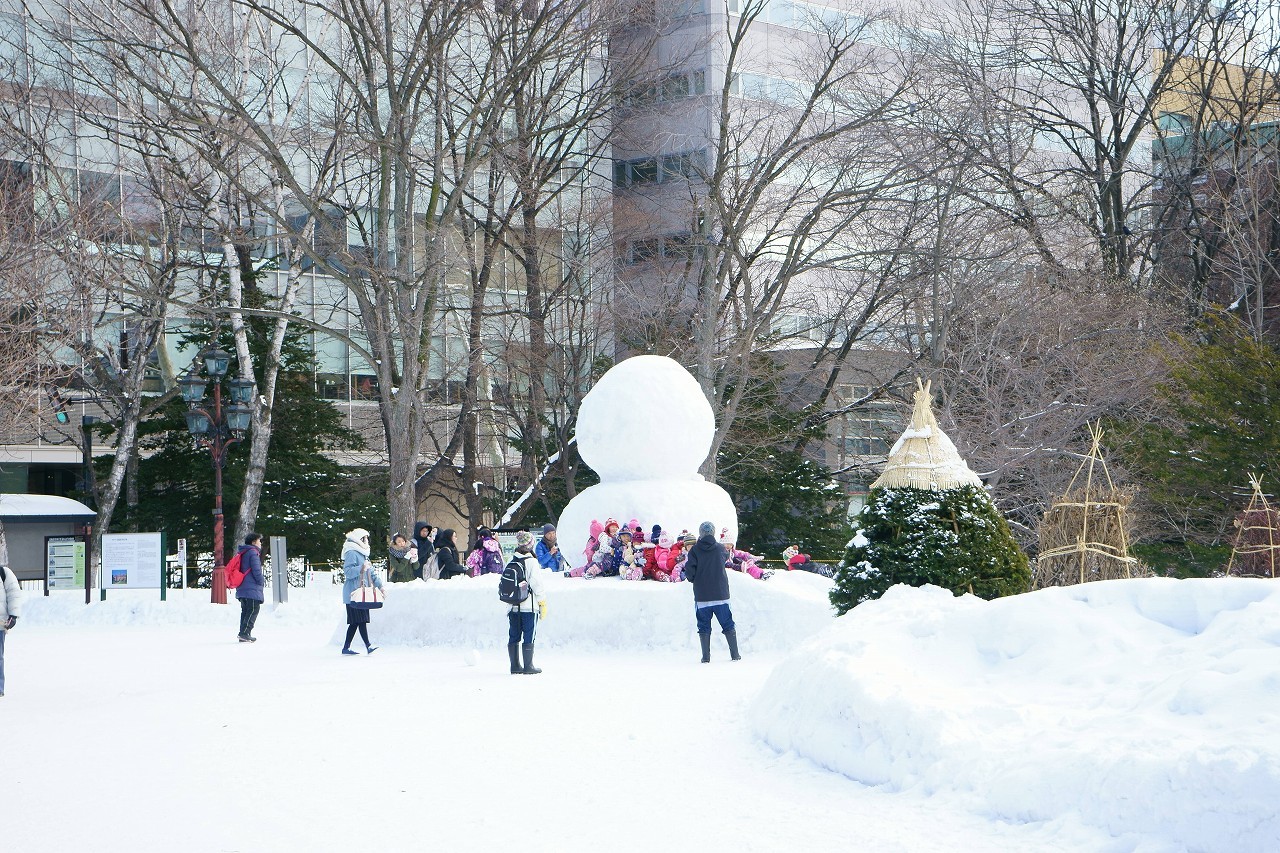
[64, 562]
[132, 560]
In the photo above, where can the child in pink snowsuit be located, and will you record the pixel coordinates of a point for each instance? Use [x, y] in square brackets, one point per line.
[604, 561]
[593, 545]
[741, 561]
[664, 559]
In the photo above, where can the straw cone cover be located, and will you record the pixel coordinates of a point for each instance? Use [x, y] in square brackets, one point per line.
[923, 457]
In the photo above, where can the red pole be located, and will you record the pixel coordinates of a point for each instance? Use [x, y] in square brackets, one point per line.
[218, 590]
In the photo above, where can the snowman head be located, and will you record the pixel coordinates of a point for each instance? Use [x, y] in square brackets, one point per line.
[668, 438]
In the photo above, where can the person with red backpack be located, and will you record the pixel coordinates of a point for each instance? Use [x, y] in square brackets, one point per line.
[249, 592]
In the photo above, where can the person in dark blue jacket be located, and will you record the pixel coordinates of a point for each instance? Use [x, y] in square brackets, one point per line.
[704, 568]
[250, 590]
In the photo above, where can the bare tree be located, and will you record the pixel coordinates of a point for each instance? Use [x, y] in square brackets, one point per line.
[342, 145]
[770, 192]
[530, 219]
[1216, 160]
[1024, 377]
[1075, 86]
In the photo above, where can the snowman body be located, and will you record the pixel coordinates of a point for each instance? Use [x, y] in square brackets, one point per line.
[647, 456]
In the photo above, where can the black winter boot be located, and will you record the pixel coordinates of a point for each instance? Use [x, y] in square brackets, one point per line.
[513, 651]
[705, 639]
[529, 668]
[732, 638]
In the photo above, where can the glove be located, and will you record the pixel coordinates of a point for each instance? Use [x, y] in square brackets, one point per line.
[542, 609]
[13, 620]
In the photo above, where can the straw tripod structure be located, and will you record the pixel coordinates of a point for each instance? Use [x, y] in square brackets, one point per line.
[1084, 535]
[923, 457]
[1257, 540]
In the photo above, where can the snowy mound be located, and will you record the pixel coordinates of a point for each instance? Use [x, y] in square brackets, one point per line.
[605, 613]
[1139, 705]
[676, 505]
[600, 614]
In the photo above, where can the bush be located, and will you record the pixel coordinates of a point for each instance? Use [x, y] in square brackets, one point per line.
[952, 538]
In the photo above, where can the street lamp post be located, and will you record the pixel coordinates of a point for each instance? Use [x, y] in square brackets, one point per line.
[216, 429]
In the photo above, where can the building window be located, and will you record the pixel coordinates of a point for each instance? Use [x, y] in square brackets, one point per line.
[868, 432]
[685, 8]
[332, 386]
[673, 87]
[364, 386]
[655, 170]
[668, 247]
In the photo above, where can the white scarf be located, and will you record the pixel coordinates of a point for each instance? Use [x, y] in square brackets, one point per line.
[355, 545]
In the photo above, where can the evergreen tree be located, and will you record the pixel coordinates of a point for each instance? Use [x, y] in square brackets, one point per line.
[782, 496]
[929, 521]
[953, 538]
[307, 497]
[1215, 421]
[786, 499]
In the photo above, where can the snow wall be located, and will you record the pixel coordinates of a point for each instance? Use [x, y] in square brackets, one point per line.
[600, 614]
[1142, 705]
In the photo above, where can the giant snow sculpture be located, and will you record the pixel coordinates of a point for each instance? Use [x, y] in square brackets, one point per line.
[645, 428]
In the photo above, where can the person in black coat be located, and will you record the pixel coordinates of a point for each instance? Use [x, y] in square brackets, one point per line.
[704, 568]
[422, 541]
[447, 549]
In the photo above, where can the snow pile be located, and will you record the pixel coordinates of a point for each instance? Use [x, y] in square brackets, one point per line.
[599, 614]
[1139, 705]
[605, 613]
[312, 605]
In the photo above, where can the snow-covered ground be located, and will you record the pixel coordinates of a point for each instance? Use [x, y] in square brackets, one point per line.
[136, 725]
[1143, 706]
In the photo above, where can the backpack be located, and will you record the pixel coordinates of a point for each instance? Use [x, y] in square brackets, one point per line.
[235, 574]
[431, 569]
[512, 587]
